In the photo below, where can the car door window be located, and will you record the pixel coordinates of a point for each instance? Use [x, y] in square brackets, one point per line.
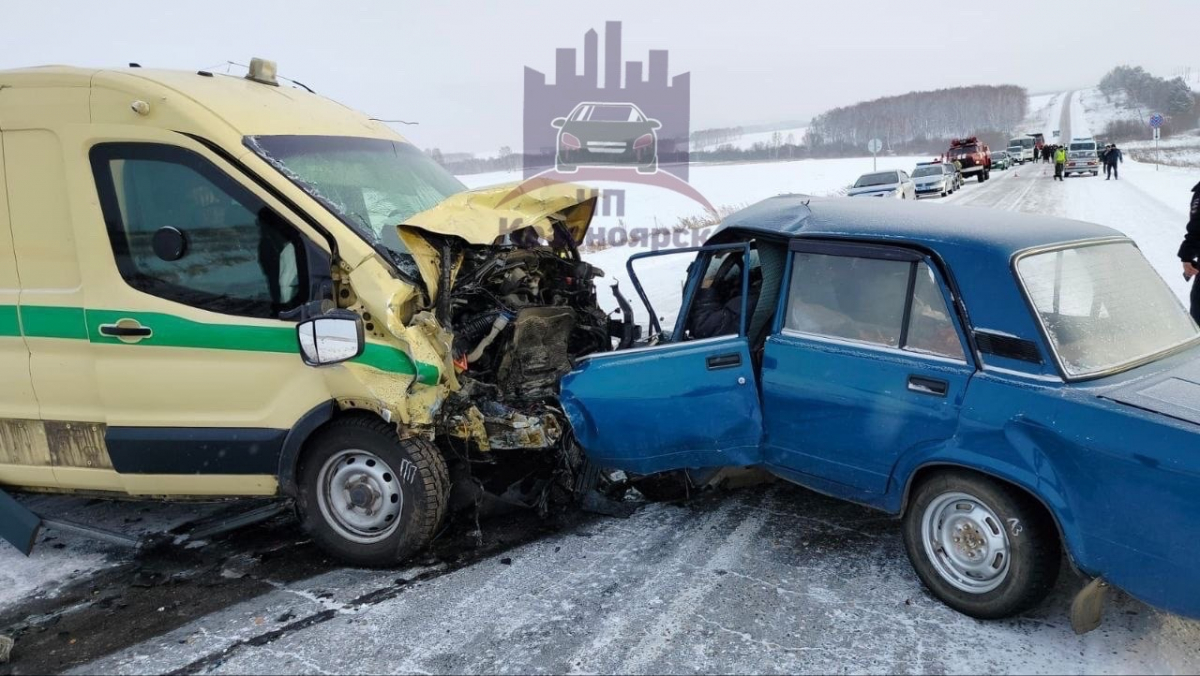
[866, 300]
[930, 328]
[183, 230]
[717, 307]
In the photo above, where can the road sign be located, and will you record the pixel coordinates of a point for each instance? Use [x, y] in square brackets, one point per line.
[874, 146]
[1156, 120]
[1157, 133]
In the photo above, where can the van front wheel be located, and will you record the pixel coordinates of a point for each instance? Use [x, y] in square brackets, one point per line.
[983, 548]
[369, 497]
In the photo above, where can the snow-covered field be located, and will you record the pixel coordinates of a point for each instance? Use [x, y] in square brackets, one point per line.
[747, 141]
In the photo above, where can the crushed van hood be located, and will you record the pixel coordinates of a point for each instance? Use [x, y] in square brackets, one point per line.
[484, 215]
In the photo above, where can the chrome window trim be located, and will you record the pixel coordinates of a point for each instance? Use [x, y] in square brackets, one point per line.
[874, 347]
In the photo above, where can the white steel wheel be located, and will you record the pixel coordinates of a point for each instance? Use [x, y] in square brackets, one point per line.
[360, 496]
[966, 542]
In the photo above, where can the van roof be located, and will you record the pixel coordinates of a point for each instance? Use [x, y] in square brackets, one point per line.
[251, 108]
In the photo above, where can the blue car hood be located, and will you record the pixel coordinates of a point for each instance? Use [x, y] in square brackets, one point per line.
[1173, 392]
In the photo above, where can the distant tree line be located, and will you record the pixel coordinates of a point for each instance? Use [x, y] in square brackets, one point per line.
[919, 121]
[1173, 98]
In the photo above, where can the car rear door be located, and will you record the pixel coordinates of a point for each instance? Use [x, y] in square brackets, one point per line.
[688, 400]
[867, 362]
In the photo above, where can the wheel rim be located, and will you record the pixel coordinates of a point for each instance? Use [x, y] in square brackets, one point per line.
[966, 542]
[359, 496]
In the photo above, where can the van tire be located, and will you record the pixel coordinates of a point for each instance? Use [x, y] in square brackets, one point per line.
[1031, 539]
[413, 468]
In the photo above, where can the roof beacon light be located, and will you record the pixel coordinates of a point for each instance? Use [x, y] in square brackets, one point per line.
[263, 71]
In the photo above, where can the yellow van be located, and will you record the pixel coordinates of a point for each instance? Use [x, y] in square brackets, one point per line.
[219, 286]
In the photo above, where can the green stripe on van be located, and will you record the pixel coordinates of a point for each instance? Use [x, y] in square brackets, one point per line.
[10, 323]
[46, 321]
[171, 331]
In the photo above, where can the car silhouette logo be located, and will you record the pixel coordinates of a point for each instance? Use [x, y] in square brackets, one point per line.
[606, 134]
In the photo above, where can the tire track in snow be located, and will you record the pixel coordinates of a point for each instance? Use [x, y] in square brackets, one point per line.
[683, 609]
[621, 626]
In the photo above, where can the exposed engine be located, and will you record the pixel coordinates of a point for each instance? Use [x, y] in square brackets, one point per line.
[520, 315]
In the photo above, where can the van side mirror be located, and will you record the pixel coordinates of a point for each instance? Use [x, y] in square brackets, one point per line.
[331, 338]
[558, 122]
[655, 124]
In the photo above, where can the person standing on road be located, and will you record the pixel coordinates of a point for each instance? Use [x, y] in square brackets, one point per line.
[1112, 155]
[1060, 161]
[1189, 252]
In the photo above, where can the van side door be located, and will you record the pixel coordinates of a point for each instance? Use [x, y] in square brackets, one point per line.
[195, 283]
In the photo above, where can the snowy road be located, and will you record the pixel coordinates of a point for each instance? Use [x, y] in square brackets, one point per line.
[756, 580]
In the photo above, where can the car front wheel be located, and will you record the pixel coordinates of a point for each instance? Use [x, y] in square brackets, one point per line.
[983, 548]
[369, 497]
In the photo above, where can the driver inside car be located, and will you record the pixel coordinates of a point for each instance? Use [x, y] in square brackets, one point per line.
[718, 305]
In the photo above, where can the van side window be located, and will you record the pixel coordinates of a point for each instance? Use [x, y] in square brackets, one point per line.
[219, 247]
[866, 299]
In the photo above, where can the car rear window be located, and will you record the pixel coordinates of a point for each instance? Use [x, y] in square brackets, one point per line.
[927, 171]
[1103, 307]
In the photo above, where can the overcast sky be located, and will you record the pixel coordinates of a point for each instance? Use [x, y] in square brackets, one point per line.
[456, 67]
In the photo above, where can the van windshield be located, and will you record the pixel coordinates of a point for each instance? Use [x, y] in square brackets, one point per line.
[370, 184]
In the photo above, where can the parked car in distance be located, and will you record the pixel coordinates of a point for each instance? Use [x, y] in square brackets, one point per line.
[932, 179]
[892, 183]
[974, 157]
[1001, 160]
[949, 168]
[1020, 149]
[1082, 157]
[1012, 390]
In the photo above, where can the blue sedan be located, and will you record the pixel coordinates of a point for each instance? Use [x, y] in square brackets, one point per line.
[1012, 387]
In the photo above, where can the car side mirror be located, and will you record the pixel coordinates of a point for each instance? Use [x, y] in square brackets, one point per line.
[655, 124]
[331, 338]
[558, 122]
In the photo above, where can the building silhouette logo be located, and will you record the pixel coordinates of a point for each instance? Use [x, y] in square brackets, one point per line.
[625, 128]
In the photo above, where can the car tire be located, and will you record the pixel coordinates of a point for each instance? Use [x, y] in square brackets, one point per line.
[399, 487]
[957, 517]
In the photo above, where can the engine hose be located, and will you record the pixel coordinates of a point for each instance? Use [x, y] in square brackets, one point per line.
[499, 325]
[475, 326]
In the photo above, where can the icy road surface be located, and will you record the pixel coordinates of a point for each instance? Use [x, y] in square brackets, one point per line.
[774, 579]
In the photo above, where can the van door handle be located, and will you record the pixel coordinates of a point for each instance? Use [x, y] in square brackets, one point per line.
[932, 386]
[723, 361]
[126, 331]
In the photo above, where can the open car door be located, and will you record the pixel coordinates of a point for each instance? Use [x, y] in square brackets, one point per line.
[687, 397]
